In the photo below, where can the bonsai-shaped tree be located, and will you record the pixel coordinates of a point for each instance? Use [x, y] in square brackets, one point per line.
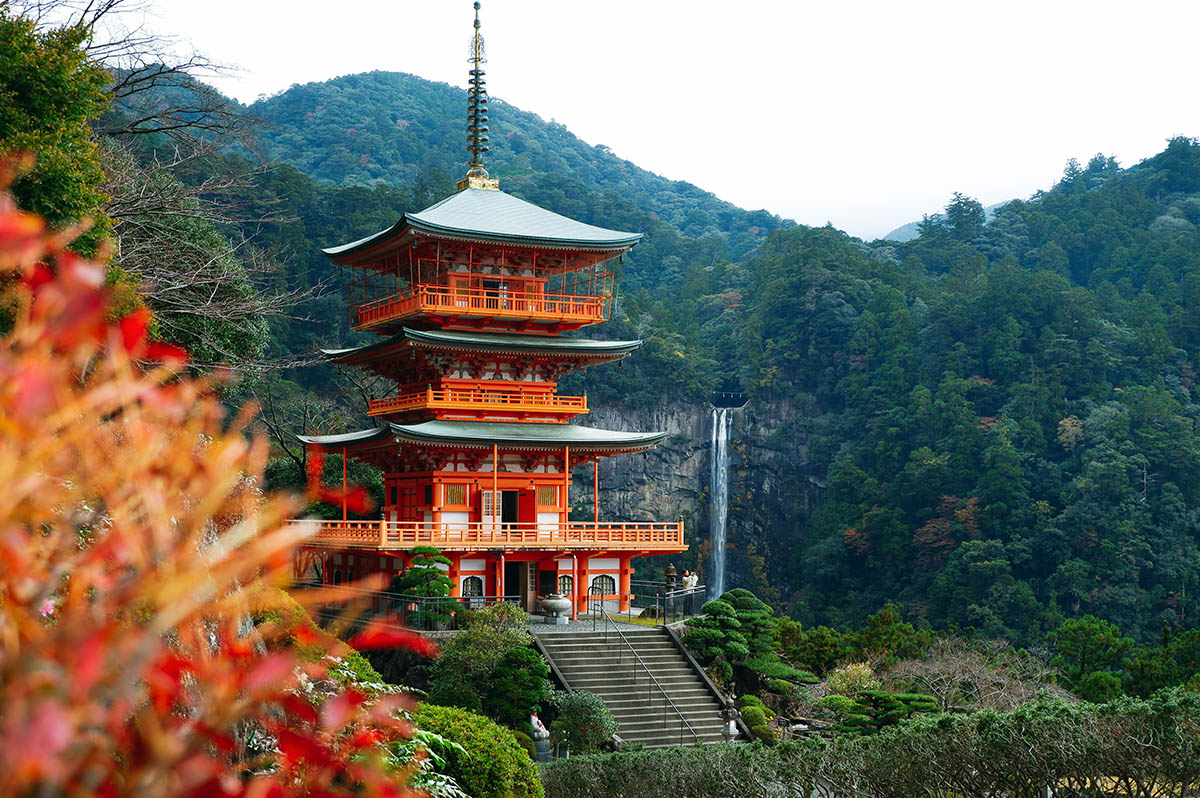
[518, 686]
[716, 638]
[424, 578]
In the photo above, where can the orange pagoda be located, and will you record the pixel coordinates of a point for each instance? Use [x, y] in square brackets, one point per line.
[470, 298]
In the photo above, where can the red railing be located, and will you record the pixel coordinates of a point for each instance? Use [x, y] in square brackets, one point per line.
[437, 299]
[383, 534]
[474, 399]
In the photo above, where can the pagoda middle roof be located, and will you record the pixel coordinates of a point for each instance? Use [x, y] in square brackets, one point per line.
[485, 215]
[490, 342]
[511, 435]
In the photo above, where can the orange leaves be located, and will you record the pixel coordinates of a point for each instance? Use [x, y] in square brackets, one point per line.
[132, 533]
[382, 634]
[354, 496]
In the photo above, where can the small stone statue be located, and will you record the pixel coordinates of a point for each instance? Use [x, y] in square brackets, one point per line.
[541, 739]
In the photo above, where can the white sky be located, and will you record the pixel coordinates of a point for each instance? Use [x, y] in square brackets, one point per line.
[864, 114]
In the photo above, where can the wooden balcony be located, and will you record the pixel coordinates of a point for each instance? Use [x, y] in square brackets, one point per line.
[518, 402]
[453, 302]
[385, 535]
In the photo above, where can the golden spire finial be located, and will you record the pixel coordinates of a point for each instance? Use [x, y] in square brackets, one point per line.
[477, 116]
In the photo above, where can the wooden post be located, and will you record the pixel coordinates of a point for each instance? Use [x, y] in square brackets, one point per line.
[495, 486]
[566, 485]
[344, 483]
[623, 584]
[574, 587]
[596, 491]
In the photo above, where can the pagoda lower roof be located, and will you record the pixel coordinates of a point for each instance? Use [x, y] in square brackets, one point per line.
[490, 216]
[485, 434]
[500, 343]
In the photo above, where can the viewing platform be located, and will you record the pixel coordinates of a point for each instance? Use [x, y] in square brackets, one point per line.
[519, 402]
[447, 303]
[384, 535]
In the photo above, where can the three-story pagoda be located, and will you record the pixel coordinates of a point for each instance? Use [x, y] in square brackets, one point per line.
[470, 298]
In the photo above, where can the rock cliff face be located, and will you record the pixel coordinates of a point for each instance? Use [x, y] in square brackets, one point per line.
[772, 492]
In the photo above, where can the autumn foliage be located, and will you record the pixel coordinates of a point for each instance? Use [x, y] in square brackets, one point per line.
[132, 530]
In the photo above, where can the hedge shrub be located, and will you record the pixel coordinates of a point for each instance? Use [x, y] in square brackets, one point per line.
[496, 765]
[1135, 747]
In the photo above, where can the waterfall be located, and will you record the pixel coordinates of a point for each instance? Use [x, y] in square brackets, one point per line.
[718, 501]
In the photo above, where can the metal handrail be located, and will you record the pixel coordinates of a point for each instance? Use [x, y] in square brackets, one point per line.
[593, 591]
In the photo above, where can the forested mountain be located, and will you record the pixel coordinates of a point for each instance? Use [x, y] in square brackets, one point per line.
[1006, 414]
[1007, 425]
[1010, 410]
[390, 128]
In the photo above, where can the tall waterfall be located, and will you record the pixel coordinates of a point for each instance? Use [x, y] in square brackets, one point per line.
[718, 501]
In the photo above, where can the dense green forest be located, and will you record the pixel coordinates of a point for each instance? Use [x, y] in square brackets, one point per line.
[1010, 410]
[1007, 431]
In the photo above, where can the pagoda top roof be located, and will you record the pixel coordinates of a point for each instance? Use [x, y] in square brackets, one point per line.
[491, 216]
[511, 435]
[489, 342]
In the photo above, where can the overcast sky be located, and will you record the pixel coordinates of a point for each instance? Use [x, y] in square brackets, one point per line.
[863, 114]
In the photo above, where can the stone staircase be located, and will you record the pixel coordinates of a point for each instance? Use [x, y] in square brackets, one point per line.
[607, 668]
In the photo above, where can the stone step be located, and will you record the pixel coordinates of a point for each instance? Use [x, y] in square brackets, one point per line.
[648, 646]
[668, 726]
[665, 739]
[625, 705]
[623, 684]
[613, 649]
[688, 710]
[633, 669]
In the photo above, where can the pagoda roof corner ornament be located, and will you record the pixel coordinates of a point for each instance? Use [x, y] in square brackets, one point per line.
[477, 117]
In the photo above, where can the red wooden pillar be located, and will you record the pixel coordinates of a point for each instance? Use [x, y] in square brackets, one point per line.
[581, 577]
[623, 582]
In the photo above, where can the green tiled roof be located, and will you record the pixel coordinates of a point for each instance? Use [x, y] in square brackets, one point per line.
[492, 342]
[486, 433]
[485, 215]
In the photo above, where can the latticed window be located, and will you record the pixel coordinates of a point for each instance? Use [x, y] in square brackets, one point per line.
[547, 495]
[604, 584]
[472, 586]
[566, 585]
[456, 494]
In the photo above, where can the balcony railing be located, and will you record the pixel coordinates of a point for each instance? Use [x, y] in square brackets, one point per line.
[515, 401]
[488, 303]
[383, 534]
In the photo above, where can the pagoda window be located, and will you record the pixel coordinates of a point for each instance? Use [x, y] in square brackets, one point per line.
[566, 585]
[456, 495]
[604, 584]
[547, 495]
[472, 586]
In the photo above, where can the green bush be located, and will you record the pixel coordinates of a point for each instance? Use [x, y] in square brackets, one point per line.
[455, 694]
[765, 734]
[754, 716]
[526, 742]
[584, 723]
[468, 659]
[495, 766]
[748, 700]
[1151, 743]
[518, 686]
[781, 687]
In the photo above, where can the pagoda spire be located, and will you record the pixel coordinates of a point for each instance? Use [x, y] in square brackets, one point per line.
[477, 116]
